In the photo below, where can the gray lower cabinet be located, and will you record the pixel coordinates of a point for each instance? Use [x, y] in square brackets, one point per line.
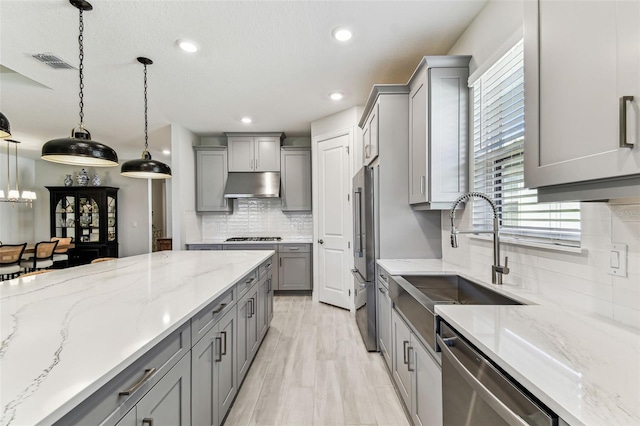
[168, 402]
[384, 318]
[416, 375]
[263, 246]
[214, 372]
[295, 178]
[294, 267]
[248, 336]
[211, 178]
[129, 419]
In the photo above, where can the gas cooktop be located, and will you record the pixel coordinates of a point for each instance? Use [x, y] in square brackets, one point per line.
[254, 239]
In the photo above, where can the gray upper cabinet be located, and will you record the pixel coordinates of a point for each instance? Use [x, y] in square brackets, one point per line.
[370, 137]
[211, 177]
[582, 133]
[249, 152]
[295, 178]
[438, 131]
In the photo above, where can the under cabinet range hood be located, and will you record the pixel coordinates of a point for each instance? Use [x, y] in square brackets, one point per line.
[252, 185]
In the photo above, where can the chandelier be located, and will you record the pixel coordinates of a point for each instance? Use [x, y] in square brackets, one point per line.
[13, 193]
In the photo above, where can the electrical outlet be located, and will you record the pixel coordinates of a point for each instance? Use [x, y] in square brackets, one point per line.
[618, 260]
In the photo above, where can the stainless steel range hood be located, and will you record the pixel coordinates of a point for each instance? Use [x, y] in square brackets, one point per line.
[252, 185]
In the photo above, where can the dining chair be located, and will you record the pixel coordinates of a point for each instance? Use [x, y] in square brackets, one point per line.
[10, 257]
[42, 256]
[103, 259]
[62, 255]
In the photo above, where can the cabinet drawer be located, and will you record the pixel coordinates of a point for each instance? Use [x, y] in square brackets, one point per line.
[265, 267]
[245, 283]
[204, 246]
[205, 319]
[108, 405]
[294, 248]
[250, 247]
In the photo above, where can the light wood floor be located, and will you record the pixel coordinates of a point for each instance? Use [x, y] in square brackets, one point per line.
[313, 369]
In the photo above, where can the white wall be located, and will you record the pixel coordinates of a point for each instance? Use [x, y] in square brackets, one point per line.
[181, 198]
[577, 280]
[17, 220]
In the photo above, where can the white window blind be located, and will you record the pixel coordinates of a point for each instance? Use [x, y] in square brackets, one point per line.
[498, 139]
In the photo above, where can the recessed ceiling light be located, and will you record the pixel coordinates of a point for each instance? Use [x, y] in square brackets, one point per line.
[187, 45]
[166, 152]
[342, 34]
[246, 120]
[336, 96]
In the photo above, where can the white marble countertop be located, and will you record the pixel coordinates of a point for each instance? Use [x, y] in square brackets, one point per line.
[283, 241]
[67, 333]
[584, 368]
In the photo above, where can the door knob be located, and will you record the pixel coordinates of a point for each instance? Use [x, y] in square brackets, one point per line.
[320, 241]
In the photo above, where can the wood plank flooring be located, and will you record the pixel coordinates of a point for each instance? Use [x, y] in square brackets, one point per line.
[313, 369]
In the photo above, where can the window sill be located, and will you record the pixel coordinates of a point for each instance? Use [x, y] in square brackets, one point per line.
[531, 244]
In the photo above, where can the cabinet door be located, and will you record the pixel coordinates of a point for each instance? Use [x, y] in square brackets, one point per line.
[574, 81]
[295, 271]
[267, 154]
[269, 301]
[167, 403]
[295, 178]
[384, 323]
[227, 371]
[401, 337]
[418, 153]
[129, 419]
[365, 144]
[448, 134]
[263, 289]
[243, 358]
[253, 338]
[241, 154]
[205, 355]
[371, 138]
[211, 178]
[426, 401]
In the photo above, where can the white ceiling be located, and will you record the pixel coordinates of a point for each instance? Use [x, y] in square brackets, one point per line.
[272, 60]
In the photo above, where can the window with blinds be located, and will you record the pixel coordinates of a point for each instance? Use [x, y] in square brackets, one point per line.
[498, 139]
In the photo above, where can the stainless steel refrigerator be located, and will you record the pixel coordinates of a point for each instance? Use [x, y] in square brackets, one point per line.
[385, 227]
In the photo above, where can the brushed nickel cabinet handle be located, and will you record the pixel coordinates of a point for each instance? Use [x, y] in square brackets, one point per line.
[224, 346]
[410, 348]
[217, 311]
[422, 184]
[405, 356]
[147, 375]
[623, 122]
[218, 346]
[147, 421]
[253, 306]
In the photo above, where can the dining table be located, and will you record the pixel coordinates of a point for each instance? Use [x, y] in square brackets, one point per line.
[60, 248]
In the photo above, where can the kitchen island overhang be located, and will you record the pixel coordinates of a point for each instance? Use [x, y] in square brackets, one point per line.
[67, 333]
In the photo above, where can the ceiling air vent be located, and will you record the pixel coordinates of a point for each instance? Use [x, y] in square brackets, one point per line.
[52, 60]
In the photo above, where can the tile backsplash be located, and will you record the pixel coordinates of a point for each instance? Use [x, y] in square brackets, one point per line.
[577, 280]
[256, 217]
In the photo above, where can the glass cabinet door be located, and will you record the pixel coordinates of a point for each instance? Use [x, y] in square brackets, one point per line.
[65, 219]
[88, 219]
[111, 219]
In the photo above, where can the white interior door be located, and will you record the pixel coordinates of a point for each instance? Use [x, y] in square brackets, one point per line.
[333, 223]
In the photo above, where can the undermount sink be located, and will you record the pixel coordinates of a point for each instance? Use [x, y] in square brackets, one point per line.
[415, 297]
[454, 289]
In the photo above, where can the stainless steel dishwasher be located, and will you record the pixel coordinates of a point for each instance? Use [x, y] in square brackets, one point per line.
[476, 392]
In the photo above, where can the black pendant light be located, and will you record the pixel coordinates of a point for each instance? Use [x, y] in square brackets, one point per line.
[5, 128]
[145, 167]
[79, 149]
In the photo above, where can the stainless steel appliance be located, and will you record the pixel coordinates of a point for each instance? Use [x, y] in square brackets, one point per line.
[474, 388]
[252, 185]
[364, 256]
[385, 227]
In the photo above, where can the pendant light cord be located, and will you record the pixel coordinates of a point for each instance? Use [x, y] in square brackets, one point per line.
[146, 125]
[80, 69]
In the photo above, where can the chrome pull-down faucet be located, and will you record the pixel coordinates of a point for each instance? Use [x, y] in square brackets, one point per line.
[497, 270]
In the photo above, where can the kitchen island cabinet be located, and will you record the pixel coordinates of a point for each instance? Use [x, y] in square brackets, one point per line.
[582, 138]
[124, 325]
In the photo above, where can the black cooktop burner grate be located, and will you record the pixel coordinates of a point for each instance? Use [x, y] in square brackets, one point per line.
[254, 239]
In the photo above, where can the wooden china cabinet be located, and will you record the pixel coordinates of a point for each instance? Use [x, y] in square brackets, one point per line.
[89, 215]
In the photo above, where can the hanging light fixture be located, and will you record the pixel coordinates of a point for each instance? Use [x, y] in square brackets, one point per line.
[145, 167]
[79, 149]
[13, 195]
[5, 128]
